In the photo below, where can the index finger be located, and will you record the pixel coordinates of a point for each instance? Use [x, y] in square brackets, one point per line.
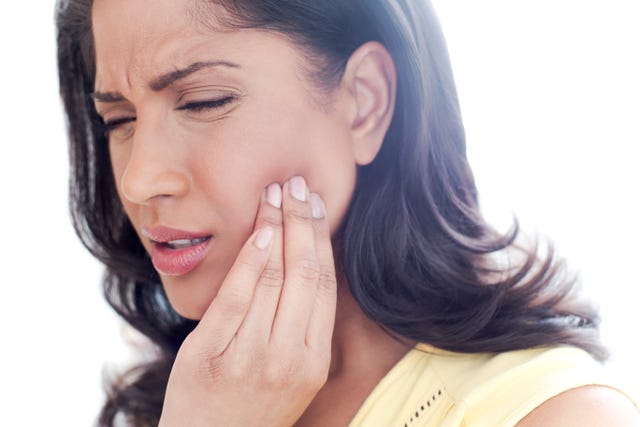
[228, 309]
[301, 267]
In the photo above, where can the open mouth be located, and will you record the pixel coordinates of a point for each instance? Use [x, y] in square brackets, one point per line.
[177, 252]
[182, 243]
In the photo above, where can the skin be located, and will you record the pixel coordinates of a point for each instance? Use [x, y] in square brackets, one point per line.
[278, 324]
[591, 406]
[207, 172]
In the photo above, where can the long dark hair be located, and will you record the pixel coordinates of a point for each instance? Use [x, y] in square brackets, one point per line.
[417, 254]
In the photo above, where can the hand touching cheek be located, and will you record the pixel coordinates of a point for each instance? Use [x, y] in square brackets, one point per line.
[266, 337]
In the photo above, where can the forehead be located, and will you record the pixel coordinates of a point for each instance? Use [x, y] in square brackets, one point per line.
[163, 14]
[117, 20]
[124, 29]
[143, 36]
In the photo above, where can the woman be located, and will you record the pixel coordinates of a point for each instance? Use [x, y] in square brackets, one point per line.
[280, 193]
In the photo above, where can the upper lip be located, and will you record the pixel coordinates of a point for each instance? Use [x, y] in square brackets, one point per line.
[164, 234]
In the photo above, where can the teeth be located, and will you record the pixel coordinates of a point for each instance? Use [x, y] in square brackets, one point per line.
[185, 243]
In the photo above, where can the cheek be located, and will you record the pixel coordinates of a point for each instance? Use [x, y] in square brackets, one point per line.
[119, 157]
[236, 159]
[320, 151]
[334, 179]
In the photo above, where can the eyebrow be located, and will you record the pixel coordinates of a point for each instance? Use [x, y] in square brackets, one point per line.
[107, 96]
[165, 80]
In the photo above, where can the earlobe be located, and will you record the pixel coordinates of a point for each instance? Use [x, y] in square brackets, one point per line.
[371, 78]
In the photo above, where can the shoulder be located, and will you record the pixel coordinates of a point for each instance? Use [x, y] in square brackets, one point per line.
[528, 386]
[585, 406]
[537, 387]
[476, 377]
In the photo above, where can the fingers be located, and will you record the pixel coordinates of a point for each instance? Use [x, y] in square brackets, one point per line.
[259, 320]
[308, 260]
[281, 290]
[227, 311]
[320, 328]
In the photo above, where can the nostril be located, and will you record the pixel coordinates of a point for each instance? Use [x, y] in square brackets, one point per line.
[141, 186]
[150, 167]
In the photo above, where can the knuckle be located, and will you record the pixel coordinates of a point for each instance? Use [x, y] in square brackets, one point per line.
[249, 265]
[234, 304]
[321, 228]
[238, 373]
[274, 220]
[327, 277]
[239, 367]
[294, 374]
[280, 375]
[297, 214]
[307, 269]
[271, 276]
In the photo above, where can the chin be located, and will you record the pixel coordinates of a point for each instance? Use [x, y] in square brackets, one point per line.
[186, 301]
[188, 311]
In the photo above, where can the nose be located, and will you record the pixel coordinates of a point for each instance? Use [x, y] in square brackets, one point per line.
[153, 169]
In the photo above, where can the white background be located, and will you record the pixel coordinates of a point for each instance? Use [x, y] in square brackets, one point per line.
[550, 94]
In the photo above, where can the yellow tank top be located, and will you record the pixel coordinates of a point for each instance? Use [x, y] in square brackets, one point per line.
[430, 387]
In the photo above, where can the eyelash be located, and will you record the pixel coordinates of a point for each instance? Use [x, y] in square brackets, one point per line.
[113, 124]
[195, 107]
[199, 106]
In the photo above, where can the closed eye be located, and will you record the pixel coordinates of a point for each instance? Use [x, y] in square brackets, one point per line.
[115, 123]
[199, 106]
[195, 106]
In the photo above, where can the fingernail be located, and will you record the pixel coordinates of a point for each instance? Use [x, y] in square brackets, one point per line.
[263, 238]
[298, 188]
[274, 195]
[317, 207]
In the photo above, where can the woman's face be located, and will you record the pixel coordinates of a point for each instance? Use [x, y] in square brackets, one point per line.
[201, 122]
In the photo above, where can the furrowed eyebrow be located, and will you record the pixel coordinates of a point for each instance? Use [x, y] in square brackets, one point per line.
[165, 80]
[107, 96]
[168, 79]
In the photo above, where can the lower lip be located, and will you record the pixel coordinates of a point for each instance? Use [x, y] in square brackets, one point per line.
[178, 262]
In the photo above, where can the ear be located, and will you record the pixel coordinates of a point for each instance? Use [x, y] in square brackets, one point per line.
[370, 79]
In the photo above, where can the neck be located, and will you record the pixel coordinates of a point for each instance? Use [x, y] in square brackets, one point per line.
[360, 344]
[362, 353]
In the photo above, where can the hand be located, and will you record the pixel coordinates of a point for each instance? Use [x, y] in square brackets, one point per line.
[262, 350]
